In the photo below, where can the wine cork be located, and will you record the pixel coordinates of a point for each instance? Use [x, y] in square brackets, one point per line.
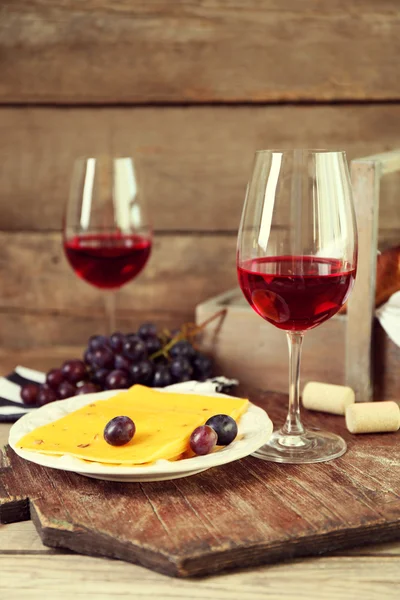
[327, 397]
[373, 417]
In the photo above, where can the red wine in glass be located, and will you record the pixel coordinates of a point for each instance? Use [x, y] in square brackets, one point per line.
[296, 265]
[296, 293]
[107, 235]
[107, 261]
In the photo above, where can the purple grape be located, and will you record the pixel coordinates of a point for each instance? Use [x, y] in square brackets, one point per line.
[203, 366]
[99, 376]
[162, 376]
[119, 431]
[160, 360]
[146, 370]
[74, 371]
[121, 362]
[66, 390]
[29, 394]
[203, 440]
[135, 373]
[153, 344]
[116, 341]
[181, 367]
[182, 348]
[46, 395]
[147, 330]
[54, 378]
[132, 336]
[183, 378]
[142, 372]
[87, 388]
[97, 341]
[225, 427]
[134, 348]
[117, 380]
[88, 356]
[103, 358]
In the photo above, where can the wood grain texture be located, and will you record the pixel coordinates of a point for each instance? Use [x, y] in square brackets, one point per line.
[319, 579]
[44, 303]
[22, 538]
[253, 512]
[161, 51]
[4, 429]
[194, 161]
[365, 175]
[182, 270]
[24, 329]
[385, 365]
[388, 162]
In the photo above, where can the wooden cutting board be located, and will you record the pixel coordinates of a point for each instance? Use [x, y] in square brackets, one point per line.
[246, 513]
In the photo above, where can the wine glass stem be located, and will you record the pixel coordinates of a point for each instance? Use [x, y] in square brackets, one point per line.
[293, 425]
[110, 306]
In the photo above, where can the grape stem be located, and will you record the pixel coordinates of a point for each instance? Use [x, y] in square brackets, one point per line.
[188, 331]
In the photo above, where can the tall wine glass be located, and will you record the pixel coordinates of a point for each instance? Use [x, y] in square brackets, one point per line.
[107, 235]
[296, 262]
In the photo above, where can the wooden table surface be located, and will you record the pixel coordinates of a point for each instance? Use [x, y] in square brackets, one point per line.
[29, 570]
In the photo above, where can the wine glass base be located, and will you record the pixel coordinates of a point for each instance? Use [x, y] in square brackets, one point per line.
[310, 447]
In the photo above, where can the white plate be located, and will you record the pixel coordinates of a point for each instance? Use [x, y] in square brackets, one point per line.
[255, 429]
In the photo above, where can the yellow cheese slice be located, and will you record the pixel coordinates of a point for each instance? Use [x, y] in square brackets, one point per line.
[164, 422]
[208, 406]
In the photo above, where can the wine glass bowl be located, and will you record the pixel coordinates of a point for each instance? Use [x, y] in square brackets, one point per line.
[107, 260]
[296, 264]
[295, 293]
[107, 235]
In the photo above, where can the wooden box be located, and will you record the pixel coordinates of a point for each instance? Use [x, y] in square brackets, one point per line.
[246, 347]
[349, 349]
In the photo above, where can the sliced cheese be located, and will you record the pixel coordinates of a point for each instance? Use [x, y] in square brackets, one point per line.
[164, 422]
[207, 405]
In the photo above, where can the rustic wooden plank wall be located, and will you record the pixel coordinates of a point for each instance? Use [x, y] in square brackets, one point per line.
[192, 88]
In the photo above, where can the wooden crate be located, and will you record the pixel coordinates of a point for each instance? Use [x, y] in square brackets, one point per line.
[246, 347]
[349, 349]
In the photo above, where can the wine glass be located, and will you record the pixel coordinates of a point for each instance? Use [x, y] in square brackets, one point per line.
[296, 263]
[107, 236]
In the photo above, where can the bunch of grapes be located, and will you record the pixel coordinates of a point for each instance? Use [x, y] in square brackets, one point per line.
[121, 360]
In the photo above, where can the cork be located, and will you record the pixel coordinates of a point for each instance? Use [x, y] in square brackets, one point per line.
[327, 397]
[373, 417]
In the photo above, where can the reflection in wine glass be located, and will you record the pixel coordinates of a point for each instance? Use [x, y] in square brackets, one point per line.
[107, 235]
[270, 306]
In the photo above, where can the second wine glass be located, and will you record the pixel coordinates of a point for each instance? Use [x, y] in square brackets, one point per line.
[107, 234]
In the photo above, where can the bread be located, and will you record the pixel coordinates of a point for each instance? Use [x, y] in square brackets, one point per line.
[387, 276]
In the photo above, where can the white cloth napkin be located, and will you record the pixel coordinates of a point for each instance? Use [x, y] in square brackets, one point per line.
[389, 317]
